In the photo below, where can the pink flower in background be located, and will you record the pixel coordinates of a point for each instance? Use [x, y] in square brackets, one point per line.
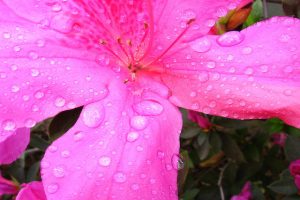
[295, 171]
[199, 119]
[32, 191]
[279, 139]
[7, 187]
[130, 64]
[245, 193]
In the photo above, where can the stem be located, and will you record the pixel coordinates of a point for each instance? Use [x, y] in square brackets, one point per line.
[265, 7]
[220, 181]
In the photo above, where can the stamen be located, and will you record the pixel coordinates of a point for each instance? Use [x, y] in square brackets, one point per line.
[146, 27]
[104, 44]
[173, 43]
[121, 47]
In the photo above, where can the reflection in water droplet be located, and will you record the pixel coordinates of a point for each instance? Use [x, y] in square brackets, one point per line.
[148, 107]
[93, 115]
[132, 136]
[8, 125]
[139, 122]
[105, 161]
[201, 45]
[230, 39]
[177, 162]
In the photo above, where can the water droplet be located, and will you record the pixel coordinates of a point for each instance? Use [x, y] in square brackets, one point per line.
[56, 7]
[52, 148]
[8, 125]
[230, 39]
[148, 107]
[104, 161]
[33, 55]
[211, 64]
[139, 122]
[29, 123]
[119, 177]
[52, 188]
[177, 162]
[203, 76]
[93, 115]
[132, 136]
[78, 136]
[65, 154]
[6, 35]
[39, 95]
[201, 45]
[249, 71]
[59, 172]
[135, 186]
[34, 72]
[59, 102]
[160, 154]
[15, 88]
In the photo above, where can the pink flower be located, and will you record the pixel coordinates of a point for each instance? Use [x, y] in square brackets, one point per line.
[32, 191]
[295, 172]
[279, 139]
[245, 193]
[12, 144]
[130, 63]
[7, 187]
[199, 119]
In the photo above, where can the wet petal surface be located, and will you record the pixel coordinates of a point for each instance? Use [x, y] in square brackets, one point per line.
[124, 145]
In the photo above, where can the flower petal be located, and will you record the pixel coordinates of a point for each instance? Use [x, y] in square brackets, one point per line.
[32, 191]
[246, 75]
[7, 186]
[12, 144]
[123, 146]
[43, 72]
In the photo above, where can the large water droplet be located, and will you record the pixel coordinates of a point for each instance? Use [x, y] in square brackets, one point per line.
[132, 136]
[148, 107]
[138, 122]
[93, 115]
[230, 39]
[203, 76]
[119, 177]
[105, 161]
[201, 45]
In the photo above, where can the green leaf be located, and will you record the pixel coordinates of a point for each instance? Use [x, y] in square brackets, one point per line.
[33, 172]
[285, 186]
[292, 148]
[256, 13]
[62, 122]
[202, 137]
[190, 194]
[231, 149]
[203, 150]
[215, 142]
[38, 142]
[190, 132]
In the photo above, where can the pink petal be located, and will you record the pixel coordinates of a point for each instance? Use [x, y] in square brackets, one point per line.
[32, 191]
[123, 146]
[297, 181]
[12, 144]
[247, 75]
[7, 187]
[294, 167]
[41, 72]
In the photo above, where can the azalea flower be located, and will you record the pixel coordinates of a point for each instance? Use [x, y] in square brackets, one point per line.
[279, 139]
[199, 119]
[245, 193]
[7, 187]
[32, 191]
[295, 172]
[130, 64]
